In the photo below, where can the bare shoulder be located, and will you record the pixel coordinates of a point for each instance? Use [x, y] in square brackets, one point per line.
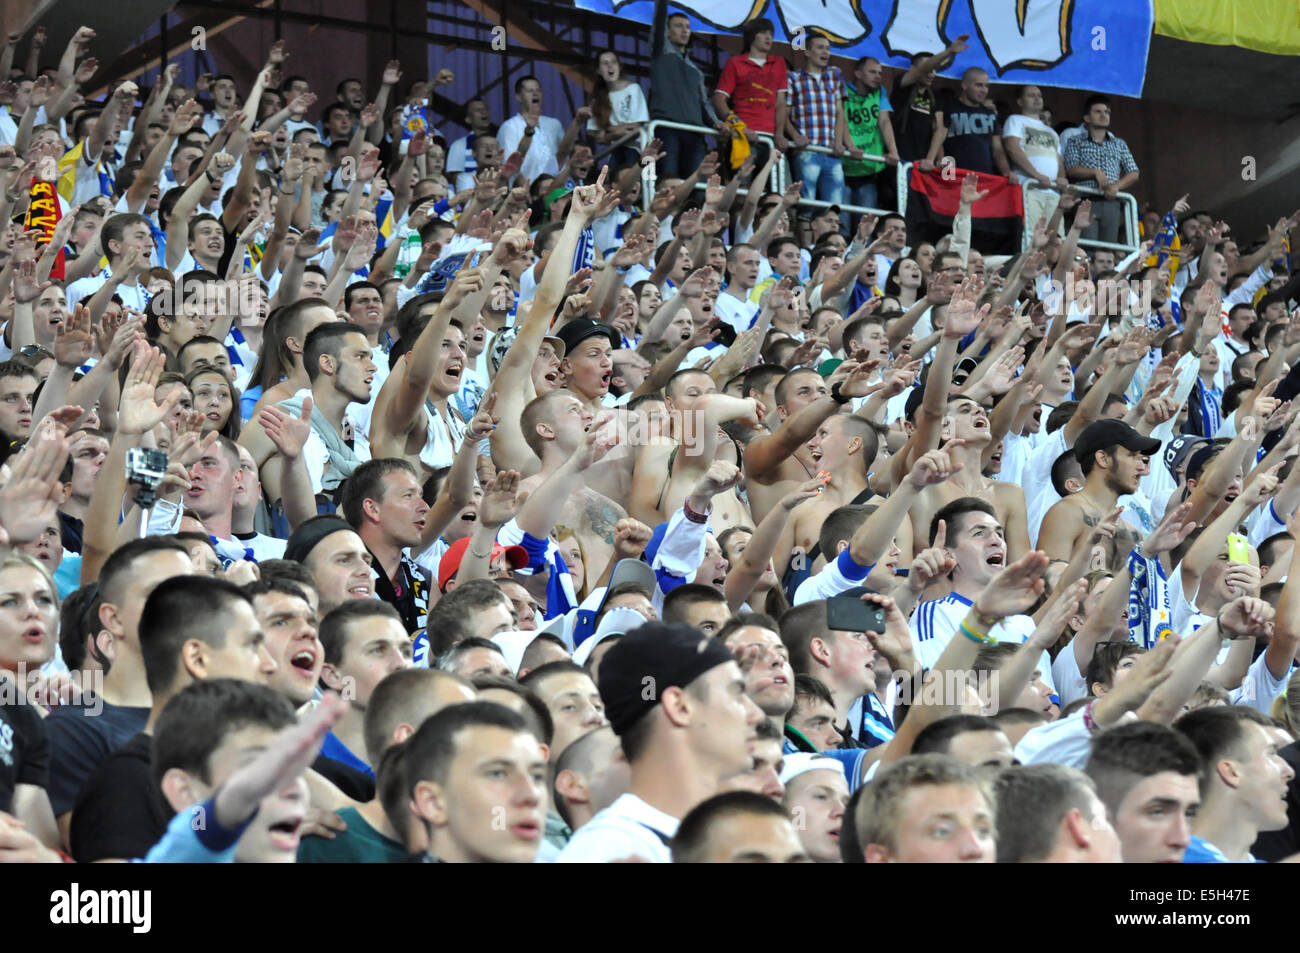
[1008, 492]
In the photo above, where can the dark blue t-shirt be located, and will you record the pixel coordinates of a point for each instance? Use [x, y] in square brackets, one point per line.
[81, 737]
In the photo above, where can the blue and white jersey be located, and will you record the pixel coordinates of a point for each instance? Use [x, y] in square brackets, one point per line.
[934, 624]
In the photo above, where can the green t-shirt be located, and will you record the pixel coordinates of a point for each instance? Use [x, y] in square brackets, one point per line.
[863, 113]
[359, 844]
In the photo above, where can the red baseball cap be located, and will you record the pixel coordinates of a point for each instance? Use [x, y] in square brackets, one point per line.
[449, 565]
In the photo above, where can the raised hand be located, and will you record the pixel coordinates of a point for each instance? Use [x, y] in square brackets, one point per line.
[122, 333]
[74, 341]
[631, 537]
[287, 432]
[720, 476]
[932, 563]
[804, 491]
[288, 756]
[935, 466]
[25, 288]
[1261, 487]
[221, 164]
[138, 412]
[1246, 618]
[1083, 215]
[1014, 589]
[31, 496]
[895, 643]
[499, 502]
[970, 189]
[587, 198]
[1058, 613]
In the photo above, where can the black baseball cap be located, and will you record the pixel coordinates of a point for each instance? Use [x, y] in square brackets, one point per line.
[1111, 433]
[579, 329]
[1179, 449]
[648, 660]
[1200, 459]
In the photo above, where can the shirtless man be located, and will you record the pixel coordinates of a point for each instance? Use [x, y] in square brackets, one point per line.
[413, 418]
[668, 467]
[297, 320]
[1113, 457]
[532, 366]
[842, 449]
[556, 426]
[778, 462]
[966, 423]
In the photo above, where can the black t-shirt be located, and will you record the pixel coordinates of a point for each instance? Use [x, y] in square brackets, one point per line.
[913, 121]
[24, 750]
[119, 815]
[72, 530]
[81, 737]
[355, 784]
[970, 134]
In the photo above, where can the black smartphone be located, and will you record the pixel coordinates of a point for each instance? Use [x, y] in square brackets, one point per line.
[851, 614]
[726, 333]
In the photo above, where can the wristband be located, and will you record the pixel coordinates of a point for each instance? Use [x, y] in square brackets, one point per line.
[837, 395]
[989, 620]
[975, 636]
[692, 515]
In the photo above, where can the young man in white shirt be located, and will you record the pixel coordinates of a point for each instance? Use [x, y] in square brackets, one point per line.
[977, 543]
[734, 305]
[542, 140]
[1034, 152]
[682, 740]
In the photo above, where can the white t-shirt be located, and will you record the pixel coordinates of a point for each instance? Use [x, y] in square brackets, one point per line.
[541, 157]
[1038, 140]
[739, 314]
[627, 105]
[628, 827]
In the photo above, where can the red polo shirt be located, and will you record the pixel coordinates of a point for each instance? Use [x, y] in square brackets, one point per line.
[753, 90]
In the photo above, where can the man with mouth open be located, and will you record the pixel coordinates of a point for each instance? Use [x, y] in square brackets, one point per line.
[383, 502]
[965, 434]
[969, 531]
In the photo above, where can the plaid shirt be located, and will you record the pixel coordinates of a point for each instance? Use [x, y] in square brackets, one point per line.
[815, 102]
[1111, 155]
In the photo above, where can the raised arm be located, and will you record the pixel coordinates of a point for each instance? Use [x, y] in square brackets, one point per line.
[178, 226]
[764, 456]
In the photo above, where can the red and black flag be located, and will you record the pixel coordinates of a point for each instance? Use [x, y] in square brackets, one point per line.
[996, 219]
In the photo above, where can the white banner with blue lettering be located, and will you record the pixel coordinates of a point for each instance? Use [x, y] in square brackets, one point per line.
[1098, 45]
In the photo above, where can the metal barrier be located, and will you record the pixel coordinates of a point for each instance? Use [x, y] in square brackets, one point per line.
[903, 174]
[788, 176]
[648, 173]
[1131, 227]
